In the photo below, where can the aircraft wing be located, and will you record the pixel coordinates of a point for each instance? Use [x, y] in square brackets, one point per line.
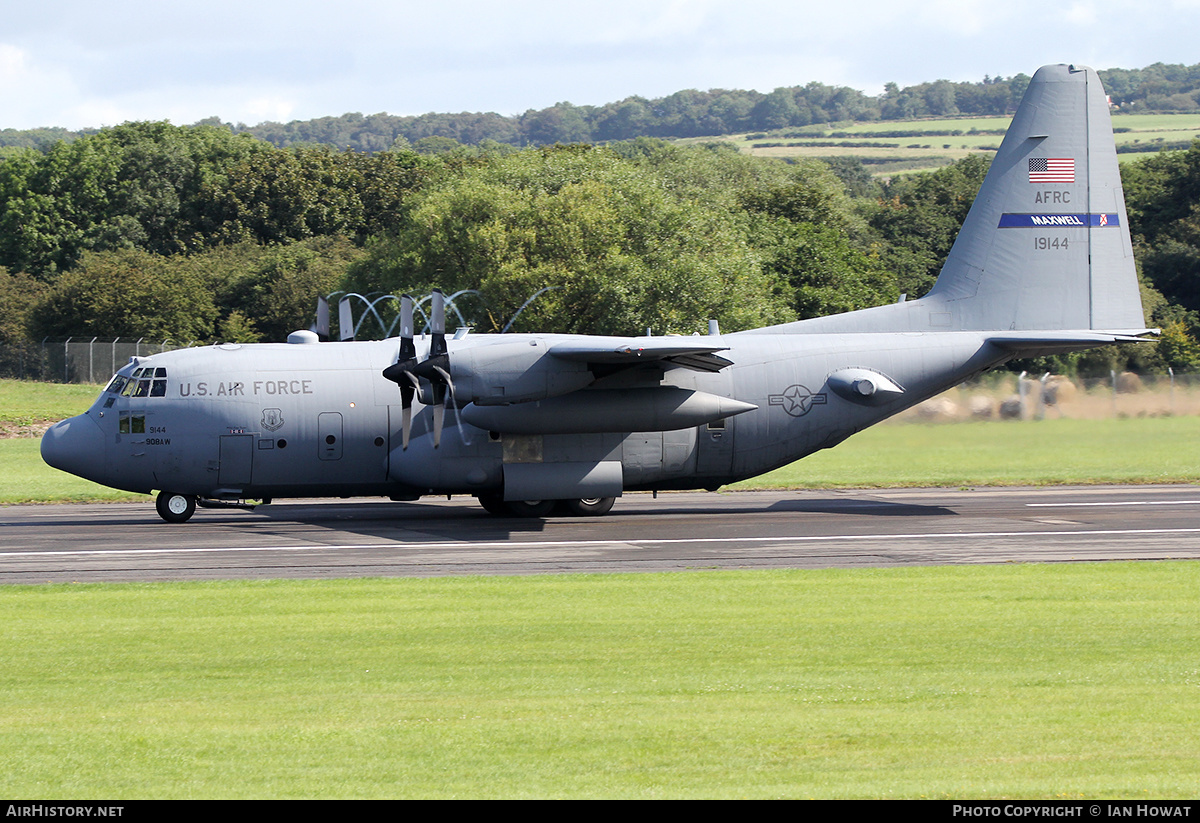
[614, 352]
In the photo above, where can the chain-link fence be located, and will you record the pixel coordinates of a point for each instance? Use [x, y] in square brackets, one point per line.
[77, 359]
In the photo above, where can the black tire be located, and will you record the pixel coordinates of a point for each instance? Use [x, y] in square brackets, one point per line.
[588, 506]
[493, 504]
[529, 508]
[175, 508]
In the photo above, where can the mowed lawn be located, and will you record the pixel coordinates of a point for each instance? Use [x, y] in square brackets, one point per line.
[1019, 681]
[1036, 452]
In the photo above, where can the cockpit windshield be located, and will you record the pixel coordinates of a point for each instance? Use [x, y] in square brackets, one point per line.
[144, 382]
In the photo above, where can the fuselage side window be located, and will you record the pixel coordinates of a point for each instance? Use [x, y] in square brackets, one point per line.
[132, 422]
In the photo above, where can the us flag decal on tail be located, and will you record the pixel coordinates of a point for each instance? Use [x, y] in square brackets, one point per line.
[1051, 170]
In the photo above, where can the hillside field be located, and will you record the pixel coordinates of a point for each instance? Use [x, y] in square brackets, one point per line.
[929, 147]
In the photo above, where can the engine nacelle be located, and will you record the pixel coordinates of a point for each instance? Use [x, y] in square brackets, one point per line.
[517, 372]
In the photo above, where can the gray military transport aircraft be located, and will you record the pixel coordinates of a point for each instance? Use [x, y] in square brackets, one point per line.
[1043, 265]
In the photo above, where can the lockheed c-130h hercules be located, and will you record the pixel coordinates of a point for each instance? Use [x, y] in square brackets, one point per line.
[1043, 264]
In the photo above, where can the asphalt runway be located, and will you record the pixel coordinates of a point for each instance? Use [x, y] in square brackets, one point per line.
[727, 530]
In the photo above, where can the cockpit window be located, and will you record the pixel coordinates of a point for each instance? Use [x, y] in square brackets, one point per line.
[145, 382]
[118, 383]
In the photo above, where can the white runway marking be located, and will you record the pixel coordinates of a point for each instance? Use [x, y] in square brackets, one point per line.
[583, 544]
[1118, 503]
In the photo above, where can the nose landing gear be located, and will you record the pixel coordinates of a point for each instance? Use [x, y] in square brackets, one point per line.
[175, 508]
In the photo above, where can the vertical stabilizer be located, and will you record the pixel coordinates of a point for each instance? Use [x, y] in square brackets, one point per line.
[1046, 243]
[1045, 246]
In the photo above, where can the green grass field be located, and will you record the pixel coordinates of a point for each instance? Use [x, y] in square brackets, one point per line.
[1018, 681]
[1029, 453]
[24, 478]
[24, 401]
[930, 150]
[1028, 681]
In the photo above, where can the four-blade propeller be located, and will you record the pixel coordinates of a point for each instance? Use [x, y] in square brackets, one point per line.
[407, 371]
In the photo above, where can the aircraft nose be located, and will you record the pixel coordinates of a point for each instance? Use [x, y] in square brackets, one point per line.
[75, 445]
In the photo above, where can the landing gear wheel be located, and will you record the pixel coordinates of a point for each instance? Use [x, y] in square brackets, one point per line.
[588, 506]
[493, 504]
[175, 508]
[529, 508]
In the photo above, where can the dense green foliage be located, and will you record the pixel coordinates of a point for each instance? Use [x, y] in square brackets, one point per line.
[1164, 203]
[918, 217]
[282, 196]
[1159, 87]
[662, 237]
[19, 293]
[195, 233]
[137, 185]
[1163, 195]
[244, 292]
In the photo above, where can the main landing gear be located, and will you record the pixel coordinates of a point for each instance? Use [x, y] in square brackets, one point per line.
[588, 506]
[585, 507]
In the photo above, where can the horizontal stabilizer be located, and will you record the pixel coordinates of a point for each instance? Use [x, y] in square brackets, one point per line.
[1044, 343]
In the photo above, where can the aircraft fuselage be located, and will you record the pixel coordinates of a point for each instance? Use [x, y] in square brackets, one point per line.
[287, 420]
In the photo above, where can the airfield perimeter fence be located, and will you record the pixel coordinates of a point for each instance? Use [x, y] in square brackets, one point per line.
[998, 395]
[77, 359]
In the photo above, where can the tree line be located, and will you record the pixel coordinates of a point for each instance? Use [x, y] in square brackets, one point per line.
[693, 113]
[686, 113]
[197, 233]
